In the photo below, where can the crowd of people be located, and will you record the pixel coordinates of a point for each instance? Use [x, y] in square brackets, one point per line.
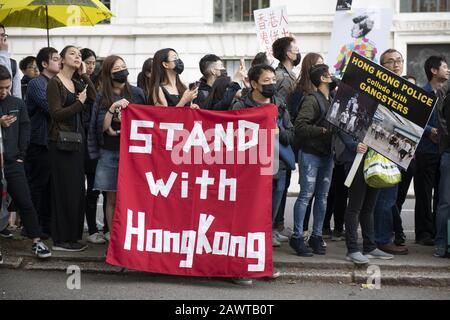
[61, 132]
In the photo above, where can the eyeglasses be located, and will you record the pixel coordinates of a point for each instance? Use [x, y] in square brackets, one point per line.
[392, 62]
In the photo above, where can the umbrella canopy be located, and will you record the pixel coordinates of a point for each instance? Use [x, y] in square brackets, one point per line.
[49, 14]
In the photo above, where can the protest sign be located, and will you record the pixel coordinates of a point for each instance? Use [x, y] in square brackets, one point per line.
[381, 109]
[271, 24]
[194, 195]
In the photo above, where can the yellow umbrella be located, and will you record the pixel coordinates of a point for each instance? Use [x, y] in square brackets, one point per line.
[49, 14]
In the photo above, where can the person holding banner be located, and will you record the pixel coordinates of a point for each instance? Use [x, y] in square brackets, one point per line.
[427, 157]
[167, 90]
[104, 128]
[386, 206]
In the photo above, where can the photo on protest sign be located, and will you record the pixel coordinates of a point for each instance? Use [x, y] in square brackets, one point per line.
[352, 111]
[393, 136]
[365, 31]
[344, 5]
[271, 24]
[395, 112]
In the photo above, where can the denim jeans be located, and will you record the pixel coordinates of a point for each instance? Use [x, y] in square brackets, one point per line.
[443, 212]
[315, 179]
[278, 187]
[383, 215]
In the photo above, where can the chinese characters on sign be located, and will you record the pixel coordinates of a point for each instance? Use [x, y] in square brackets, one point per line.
[271, 24]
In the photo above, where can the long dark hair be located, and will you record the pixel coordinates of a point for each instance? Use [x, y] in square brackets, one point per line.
[217, 91]
[304, 83]
[143, 81]
[159, 76]
[107, 88]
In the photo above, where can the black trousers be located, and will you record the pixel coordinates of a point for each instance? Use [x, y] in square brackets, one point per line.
[37, 166]
[361, 205]
[91, 195]
[337, 199]
[17, 187]
[426, 179]
[403, 188]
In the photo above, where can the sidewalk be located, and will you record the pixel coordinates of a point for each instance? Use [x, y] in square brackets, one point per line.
[418, 268]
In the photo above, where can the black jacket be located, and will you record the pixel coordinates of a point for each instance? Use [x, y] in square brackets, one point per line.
[17, 137]
[203, 92]
[286, 135]
[444, 145]
[309, 126]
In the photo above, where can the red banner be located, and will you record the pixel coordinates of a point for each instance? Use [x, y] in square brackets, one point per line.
[195, 192]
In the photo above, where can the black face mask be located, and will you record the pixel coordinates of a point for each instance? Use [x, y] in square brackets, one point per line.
[223, 73]
[334, 83]
[297, 61]
[268, 90]
[179, 66]
[120, 76]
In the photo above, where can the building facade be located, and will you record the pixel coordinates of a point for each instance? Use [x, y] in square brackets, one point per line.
[226, 28]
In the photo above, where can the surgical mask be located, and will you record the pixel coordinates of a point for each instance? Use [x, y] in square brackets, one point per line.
[268, 90]
[334, 83]
[120, 76]
[179, 66]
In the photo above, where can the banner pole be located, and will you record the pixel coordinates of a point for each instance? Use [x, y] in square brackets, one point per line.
[354, 169]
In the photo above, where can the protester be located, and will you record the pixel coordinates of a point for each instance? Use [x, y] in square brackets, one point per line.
[313, 137]
[443, 211]
[165, 84]
[10, 64]
[260, 58]
[223, 93]
[426, 178]
[66, 96]
[385, 207]
[38, 158]
[104, 129]
[143, 80]
[30, 71]
[90, 59]
[263, 82]
[211, 67]
[15, 126]
[287, 52]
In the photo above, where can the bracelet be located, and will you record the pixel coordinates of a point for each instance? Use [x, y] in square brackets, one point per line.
[109, 111]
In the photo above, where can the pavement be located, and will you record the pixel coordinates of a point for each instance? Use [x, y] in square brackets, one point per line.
[418, 268]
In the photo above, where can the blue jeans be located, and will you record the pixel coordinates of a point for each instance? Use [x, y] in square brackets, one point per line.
[443, 211]
[383, 215]
[315, 179]
[278, 187]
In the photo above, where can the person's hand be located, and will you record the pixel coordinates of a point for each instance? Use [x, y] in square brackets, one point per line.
[190, 95]
[82, 96]
[121, 104]
[240, 74]
[6, 121]
[83, 69]
[247, 83]
[4, 46]
[362, 148]
[195, 106]
[434, 135]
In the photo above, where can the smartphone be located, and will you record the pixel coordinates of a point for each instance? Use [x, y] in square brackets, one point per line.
[194, 85]
[13, 113]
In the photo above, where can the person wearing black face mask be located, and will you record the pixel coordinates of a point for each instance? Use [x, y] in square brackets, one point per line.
[287, 52]
[212, 68]
[104, 131]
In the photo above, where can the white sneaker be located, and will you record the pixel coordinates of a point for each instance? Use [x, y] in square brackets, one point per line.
[280, 237]
[107, 236]
[96, 238]
[287, 232]
[275, 242]
[306, 235]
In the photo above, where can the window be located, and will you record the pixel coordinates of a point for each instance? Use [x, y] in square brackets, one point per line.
[237, 10]
[418, 53]
[424, 5]
[107, 3]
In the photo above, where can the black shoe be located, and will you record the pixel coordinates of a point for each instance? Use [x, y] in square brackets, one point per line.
[327, 233]
[315, 243]
[426, 242]
[5, 233]
[299, 247]
[400, 239]
[41, 250]
[69, 247]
